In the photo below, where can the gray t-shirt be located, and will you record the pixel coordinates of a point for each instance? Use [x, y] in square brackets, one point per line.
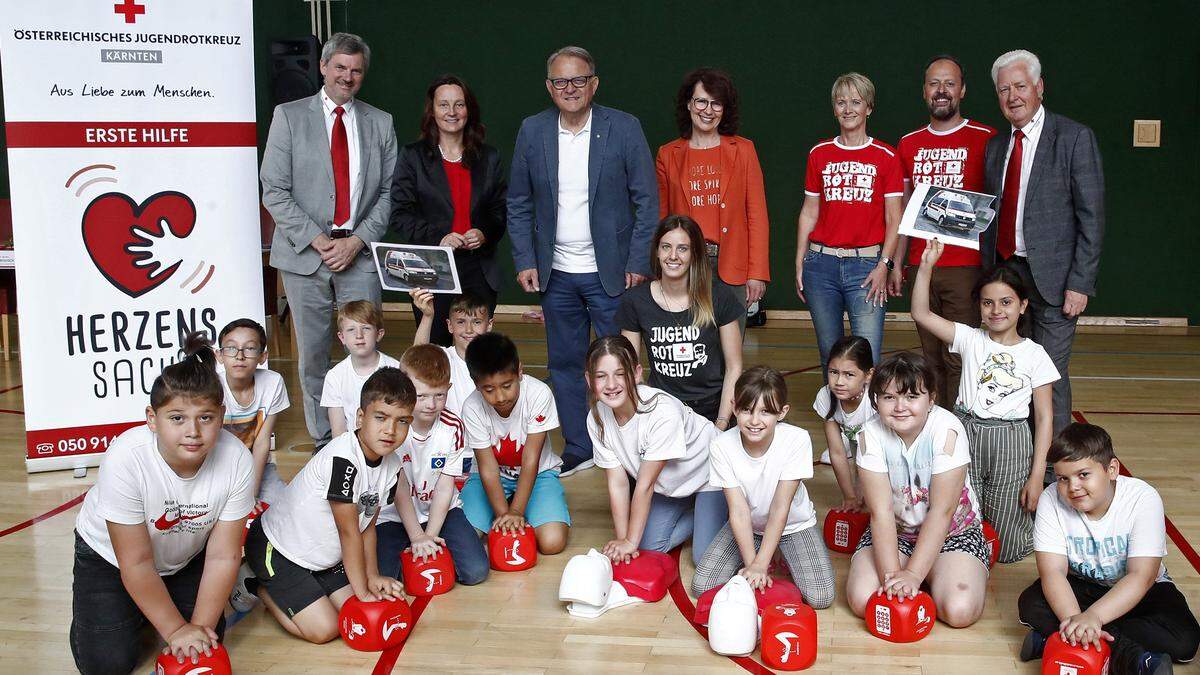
[685, 361]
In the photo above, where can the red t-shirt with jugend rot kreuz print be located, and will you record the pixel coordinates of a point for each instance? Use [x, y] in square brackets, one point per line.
[852, 183]
[953, 158]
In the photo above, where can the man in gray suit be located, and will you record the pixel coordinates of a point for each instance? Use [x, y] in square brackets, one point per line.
[327, 177]
[1051, 219]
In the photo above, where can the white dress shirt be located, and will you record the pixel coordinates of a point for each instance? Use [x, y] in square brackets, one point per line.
[1033, 132]
[573, 250]
[351, 121]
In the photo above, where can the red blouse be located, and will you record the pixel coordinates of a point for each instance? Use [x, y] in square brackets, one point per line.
[460, 194]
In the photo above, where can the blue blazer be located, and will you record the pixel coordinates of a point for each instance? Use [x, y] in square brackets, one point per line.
[622, 199]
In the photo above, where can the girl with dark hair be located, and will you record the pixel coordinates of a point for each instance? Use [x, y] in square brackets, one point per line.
[713, 176]
[643, 434]
[159, 537]
[688, 325]
[845, 407]
[1002, 373]
[449, 190]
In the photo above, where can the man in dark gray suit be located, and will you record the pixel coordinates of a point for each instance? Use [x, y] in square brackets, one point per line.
[1051, 219]
[327, 178]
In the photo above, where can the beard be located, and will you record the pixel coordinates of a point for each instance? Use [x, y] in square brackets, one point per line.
[943, 113]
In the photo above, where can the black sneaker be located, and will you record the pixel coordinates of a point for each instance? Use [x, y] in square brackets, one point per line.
[1152, 663]
[1033, 646]
[572, 465]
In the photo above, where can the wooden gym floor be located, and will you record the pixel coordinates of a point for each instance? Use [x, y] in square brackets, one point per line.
[1144, 387]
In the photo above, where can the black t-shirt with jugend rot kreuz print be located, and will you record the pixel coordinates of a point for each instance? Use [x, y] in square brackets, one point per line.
[686, 361]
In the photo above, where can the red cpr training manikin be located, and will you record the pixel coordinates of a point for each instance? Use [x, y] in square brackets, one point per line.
[217, 664]
[374, 626]
[900, 620]
[1060, 657]
[593, 585]
[434, 576]
[781, 591]
[789, 636]
[512, 552]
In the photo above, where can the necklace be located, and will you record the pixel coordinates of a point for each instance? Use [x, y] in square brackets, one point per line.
[669, 306]
[443, 154]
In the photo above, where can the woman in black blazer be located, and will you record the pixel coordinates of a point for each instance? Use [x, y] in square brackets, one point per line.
[448, 190]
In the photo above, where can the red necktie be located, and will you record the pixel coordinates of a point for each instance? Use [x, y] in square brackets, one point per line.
[1006, 237]
[339, 150]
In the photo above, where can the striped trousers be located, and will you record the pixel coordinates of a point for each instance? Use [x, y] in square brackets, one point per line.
[804, 552]
[1001, 454]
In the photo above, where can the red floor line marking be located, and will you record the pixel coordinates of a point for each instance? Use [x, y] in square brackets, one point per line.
[688, 611]
[387, 660]
[2, 391]
[49, 514]
[1133, 412]
[1173, 532]
[12, 412]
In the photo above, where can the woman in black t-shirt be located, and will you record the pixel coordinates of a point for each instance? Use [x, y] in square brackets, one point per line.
[689, 329]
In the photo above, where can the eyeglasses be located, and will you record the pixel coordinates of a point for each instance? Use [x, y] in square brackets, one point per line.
[703, 104]
[248, 352]
[560, 83]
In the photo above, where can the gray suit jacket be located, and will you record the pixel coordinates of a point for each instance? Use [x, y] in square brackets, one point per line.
[1064, 207]
[297, 181]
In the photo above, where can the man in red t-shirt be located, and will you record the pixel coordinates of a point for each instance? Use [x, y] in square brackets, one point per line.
[948, 152]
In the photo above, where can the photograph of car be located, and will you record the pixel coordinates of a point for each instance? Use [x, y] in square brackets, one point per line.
[410, 268]
[951, 210]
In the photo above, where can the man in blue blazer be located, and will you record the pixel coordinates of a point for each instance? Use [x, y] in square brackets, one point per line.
[582, 207]
[1050, 224]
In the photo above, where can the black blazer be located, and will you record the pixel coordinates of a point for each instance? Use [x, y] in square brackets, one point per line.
[423, 213]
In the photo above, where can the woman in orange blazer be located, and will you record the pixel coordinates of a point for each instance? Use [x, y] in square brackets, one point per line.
[712, 175]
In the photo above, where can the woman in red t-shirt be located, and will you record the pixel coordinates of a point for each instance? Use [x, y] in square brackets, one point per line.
[449, 190]
[847, 237]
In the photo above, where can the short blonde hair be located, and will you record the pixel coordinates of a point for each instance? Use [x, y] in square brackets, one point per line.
[857, 81]
[361, 311]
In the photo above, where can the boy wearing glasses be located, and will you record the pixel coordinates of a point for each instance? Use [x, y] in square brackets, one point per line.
[253, 397]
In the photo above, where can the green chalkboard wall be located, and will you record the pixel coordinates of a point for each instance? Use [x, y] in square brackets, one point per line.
[1105, 64]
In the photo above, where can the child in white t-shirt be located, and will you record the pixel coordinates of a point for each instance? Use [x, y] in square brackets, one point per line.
[360, 328]
[925, 522]
[316, 547]
[431, 459]
[647, 435]
[761, 464]
[158, 539]
[1100, 539]
[845, 407]
[254, 396]
[1001, 373]
[470, 316]
[514, 482]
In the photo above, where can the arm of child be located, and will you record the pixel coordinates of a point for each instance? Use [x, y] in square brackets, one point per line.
[945, 492]
[1052, 572]
[421, 545]
[635, 511]
[422, 299]
[337, 421]
[842, 471]
[261, 452]
[1043, 419]
[1087, 627]
[743, 535]
[489, 475]
[353, 557]
[876, 489]
[619, 550]
[135, 559]
[781, 503]
[222, 558]
[385, 587]
[925, 318]
[443, 492]
[731, 348]
[514, 520]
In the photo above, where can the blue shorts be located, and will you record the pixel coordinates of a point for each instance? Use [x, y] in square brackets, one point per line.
[547, 501]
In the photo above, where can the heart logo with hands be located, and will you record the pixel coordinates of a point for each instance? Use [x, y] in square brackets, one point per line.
[120, 234]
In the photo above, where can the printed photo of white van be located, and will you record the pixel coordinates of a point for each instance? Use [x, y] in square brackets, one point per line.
[951, 210]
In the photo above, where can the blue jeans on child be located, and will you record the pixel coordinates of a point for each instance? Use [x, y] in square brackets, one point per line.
[674, 520]
[470, 558]
[547, 501]
[833, 286]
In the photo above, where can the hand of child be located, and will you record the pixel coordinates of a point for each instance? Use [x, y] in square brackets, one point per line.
[933, 251]
[757, 576]
[900, 584]
[509, 523]
[422, 299]
[386, 588]
[620, 550]
[1084, 628]
[854, 503]
[1031, 492]
[190, 641]
[426, 547]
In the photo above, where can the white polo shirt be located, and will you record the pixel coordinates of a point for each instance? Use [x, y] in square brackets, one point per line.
[573, 250]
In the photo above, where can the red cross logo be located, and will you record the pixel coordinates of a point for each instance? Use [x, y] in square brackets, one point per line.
[130, 9]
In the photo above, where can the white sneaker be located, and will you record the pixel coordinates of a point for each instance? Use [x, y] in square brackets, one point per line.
[241, 598]
[825, 457]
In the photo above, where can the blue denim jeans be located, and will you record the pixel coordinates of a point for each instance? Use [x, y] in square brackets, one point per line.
[573, 306]
[466, 549]
[833, 287]
[674, 520]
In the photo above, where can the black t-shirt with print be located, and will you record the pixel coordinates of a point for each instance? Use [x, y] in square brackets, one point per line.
[685, 361]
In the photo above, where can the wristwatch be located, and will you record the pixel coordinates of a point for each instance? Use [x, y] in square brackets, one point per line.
[888, 263]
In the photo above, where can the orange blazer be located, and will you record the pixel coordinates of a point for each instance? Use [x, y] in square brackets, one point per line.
[745, 232]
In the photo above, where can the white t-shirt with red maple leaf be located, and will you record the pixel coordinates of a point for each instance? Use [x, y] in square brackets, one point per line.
[533, 413]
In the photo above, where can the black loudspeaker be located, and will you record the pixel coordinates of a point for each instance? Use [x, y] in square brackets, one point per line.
[295, 68]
